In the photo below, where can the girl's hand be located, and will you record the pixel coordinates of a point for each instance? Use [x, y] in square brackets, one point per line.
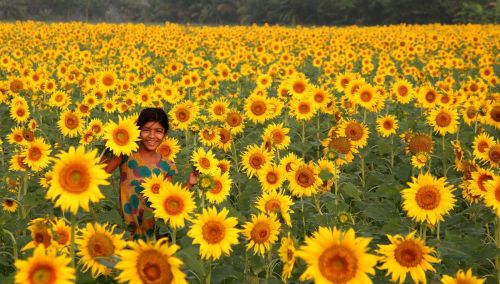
[193, 177]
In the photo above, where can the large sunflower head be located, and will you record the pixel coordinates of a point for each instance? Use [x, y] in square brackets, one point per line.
[174, 205]
[97, 242]
[169, 148]
[356, 132]
[428, 198]
[287, 253]
[304, 179]
[261, 232]
[334, 256]
[275, 202]
[462, 277]
[37, 154]
[220, 188]
[45, 266]
[205, 162]
[387, 125]
[420, 142]
[406, 254]
[443, 120]
[122, 137]
[254, 158]
[70, 123]
[214, 232]
[271, 177]
[76, 180]
[150, 263]
[492, 196]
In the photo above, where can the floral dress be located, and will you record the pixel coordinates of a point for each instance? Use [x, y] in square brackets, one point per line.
[132, 203]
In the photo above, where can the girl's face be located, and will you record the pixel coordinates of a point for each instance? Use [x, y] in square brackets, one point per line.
[152, 134]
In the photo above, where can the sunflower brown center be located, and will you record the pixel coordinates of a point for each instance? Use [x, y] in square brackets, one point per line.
[100, 245]
[153, 268]
[261, 232]
[234, 119]
[482, 179]
[299, 87]
[182, 115]
[497, 193]
[258, 108]
[443, 119]
[420, 143]
[272, 205]
[75, 178]
[256, 161]
[173, 205]
[338, 264]
[62, 236]
[430, 96]
[388, 125]
[20, 112]
[408, 253]
[278, 136]
[319, 97]
[495, 113]
[304, 176]
[217, 187]
[155, 188]
[71, 121]
[428, 197]
[164, 150]
[304, 108]
[403, 91]
[42, 273]
[204, 162]
[219, 110]
[34, 154]
[344, 82]
[28, 135]
[494, 154]
[272, 178]
[365, 96]
[41, 236]
[121, 137]
[354, 131]
[213, 232]
[225, 135]
[471, 112]
[108, 81]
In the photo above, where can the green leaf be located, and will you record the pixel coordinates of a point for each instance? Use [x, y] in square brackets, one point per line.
[351, 190]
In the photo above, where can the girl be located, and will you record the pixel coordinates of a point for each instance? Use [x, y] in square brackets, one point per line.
[153, 124]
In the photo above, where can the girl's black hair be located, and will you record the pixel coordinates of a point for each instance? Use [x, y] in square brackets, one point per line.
[153, 114]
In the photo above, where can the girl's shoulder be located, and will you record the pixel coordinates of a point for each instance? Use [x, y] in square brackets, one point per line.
[168, 166]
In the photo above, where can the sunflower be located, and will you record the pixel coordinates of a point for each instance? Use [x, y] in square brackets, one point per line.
[107, 80]
[427, 199]
[254, 158]
[406, 254]
[208, 136]
[183, 114]
[287, 253]
[387, 125]
[366, 96]
[169, 148]
[122, 137]
[264, 81]
[61, 232]
[492, 195]
[20, 113]
[478, 180]
[273, 202]
[16, 163]
[218, 109]
[205, 162]
[220, 189]
[96, 126]
[153, 185]
[420, 159]
[304, 179]
[303, 108]
[427, 96]
[355, 131]
[334, 256]
[256, 108]
[290, 162]
[339, 149]
[402, 90]
[225, 140]
[70, 123]
[261, 233]
[235, 121]
[76, 179]
[174, 205]
[298, 86]
[443, 120]
[278, 135]
[41, 234]
[214, 232]
[36, 155]
[9, 205]
[270, 177]
[328, 172]
[224, 165]
[493, 116]
[97, 242]
[44, 267]
[59, 99]
[16, 136]
[481, 146]
[148, 263]
[494, 155]
[419, 142]
[462, 278]
[343, 80]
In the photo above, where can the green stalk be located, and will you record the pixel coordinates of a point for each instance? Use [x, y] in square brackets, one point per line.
[363, 174]
[317, 137]
[303, 215]
[303, 138]
[14, 243]
[438, 226]
[497, 243]
[73, 246]
[444, 156]
[269, 265]
[208, 279]
[174, 235]
[392, 153]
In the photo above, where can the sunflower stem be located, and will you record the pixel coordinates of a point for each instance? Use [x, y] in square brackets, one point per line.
[438, 228]
[269, 265]
[235, 160]
[303, 215]
[208, 280]
[392, 153]
[174, 236]
[497, 243]
[363, 174]
[303, 138]
[72, 247]
[317, 137]
[444, 156]
[14, 243]
[317, 204]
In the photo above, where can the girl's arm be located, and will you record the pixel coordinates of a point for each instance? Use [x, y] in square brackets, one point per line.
[111, 163]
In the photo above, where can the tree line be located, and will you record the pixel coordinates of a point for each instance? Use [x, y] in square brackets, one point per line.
[234, 12]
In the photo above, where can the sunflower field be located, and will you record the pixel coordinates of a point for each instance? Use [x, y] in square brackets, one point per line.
[326, 154]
